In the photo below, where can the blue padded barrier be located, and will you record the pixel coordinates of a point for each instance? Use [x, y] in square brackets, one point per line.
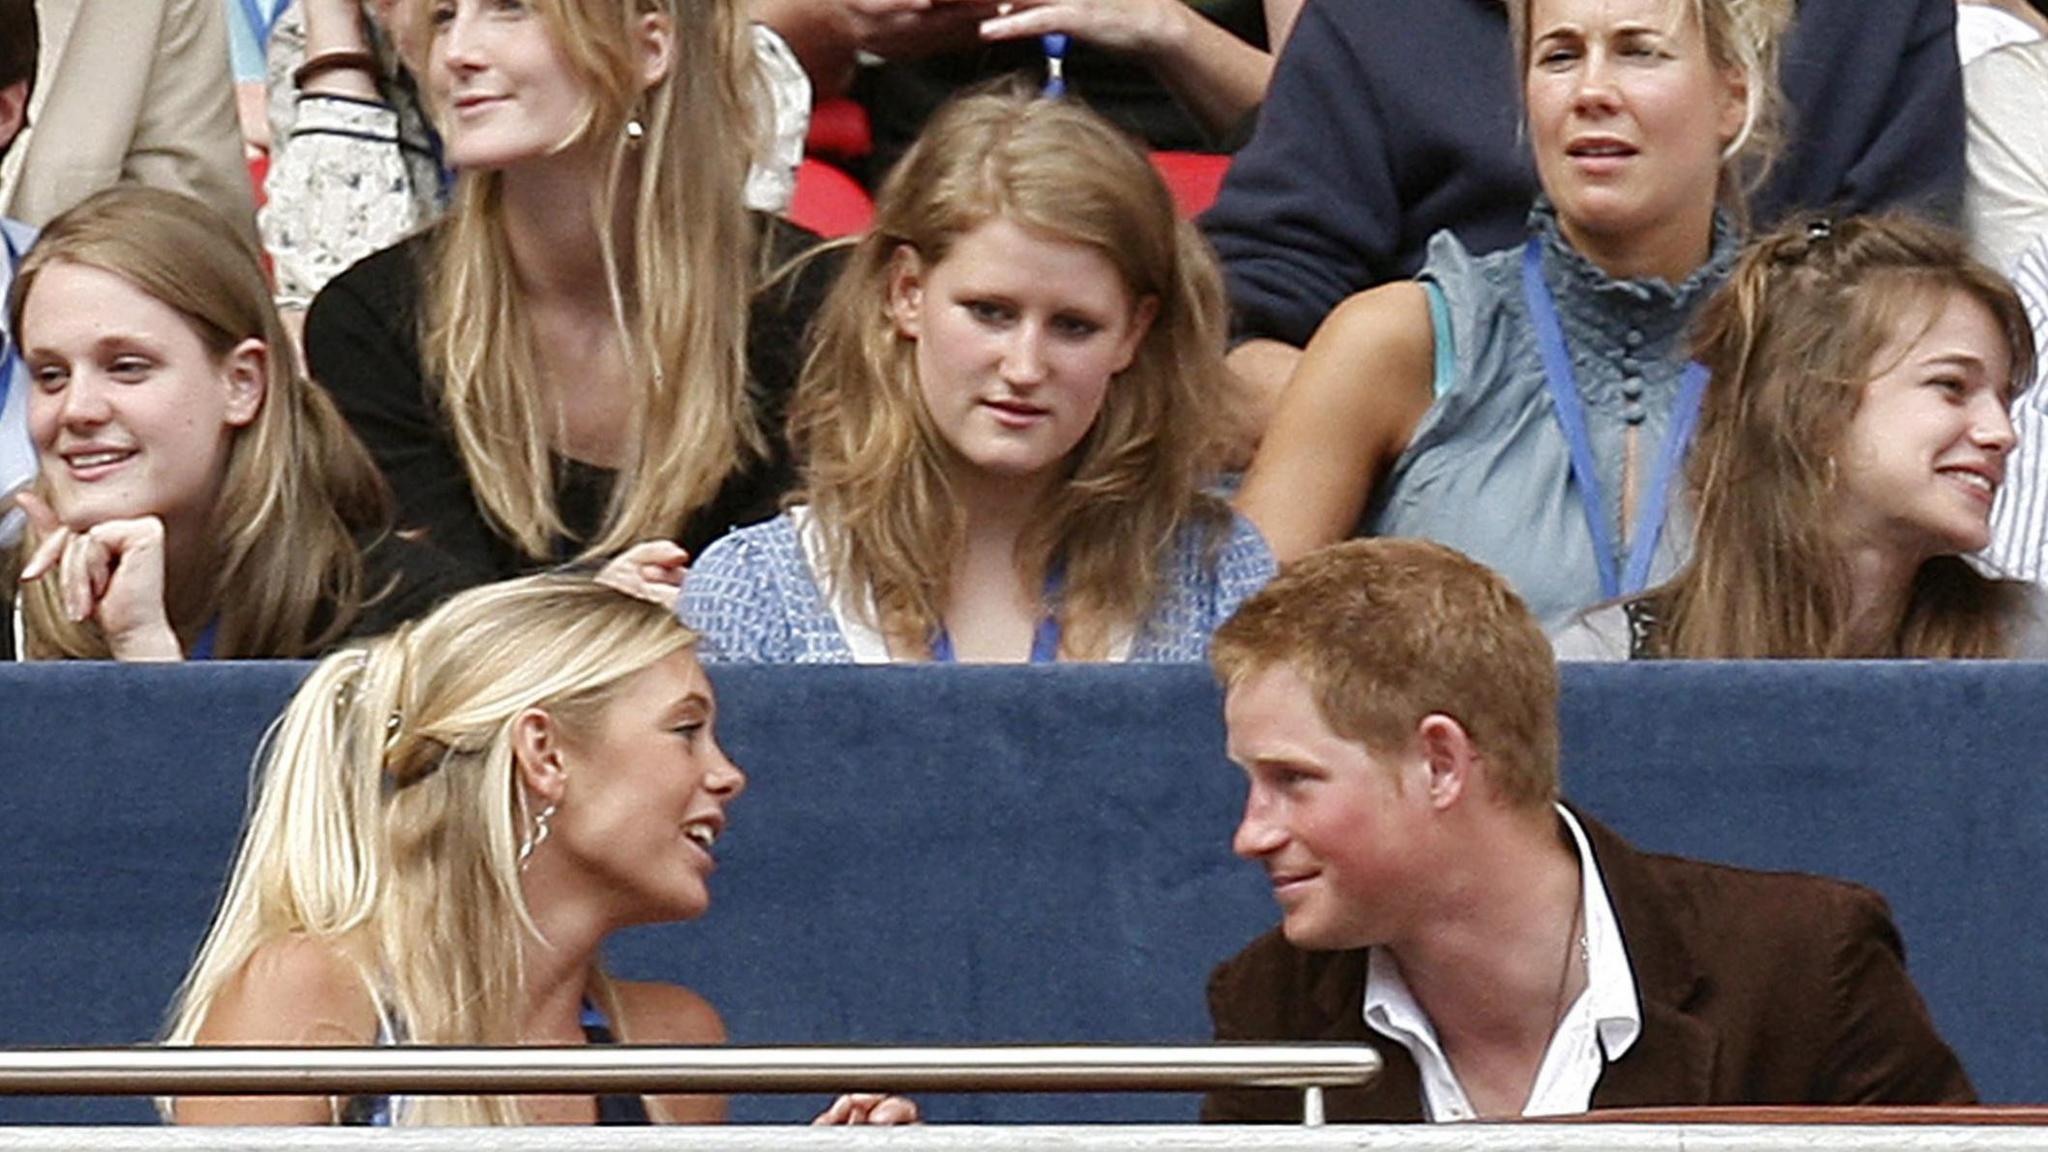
[1042, 855]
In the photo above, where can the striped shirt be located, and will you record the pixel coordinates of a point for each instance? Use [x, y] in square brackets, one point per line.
[2019, 518]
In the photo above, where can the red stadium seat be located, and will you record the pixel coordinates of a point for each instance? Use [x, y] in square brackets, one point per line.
[1192, 177]
[828, 201]
[839, 130]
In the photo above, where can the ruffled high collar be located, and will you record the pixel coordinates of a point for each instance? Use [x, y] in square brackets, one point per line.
[1648, 314]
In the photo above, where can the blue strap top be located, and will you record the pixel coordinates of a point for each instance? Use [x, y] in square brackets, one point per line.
[376, 1111]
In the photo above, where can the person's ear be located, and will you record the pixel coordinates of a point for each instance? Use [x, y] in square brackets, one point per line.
[1734, 106]
[1446, 752]
[657, 46]
[13, 112]
[1142, 316]
[246, 373]
[537, 755]
[906, 291]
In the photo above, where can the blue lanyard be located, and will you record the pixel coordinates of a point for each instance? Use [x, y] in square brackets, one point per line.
[1045, 643]
[260, 22]
[1055, 44]
[1045, 639]
[12, 363]
[1571, 420]
[202, 648]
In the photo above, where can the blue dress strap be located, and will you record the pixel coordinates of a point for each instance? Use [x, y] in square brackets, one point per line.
[612, 1110]
[377, 1111]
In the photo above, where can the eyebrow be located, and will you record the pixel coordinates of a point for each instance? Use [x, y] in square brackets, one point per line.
[114, 342]
[1578, 31]
[1955, 359]
[690, 704]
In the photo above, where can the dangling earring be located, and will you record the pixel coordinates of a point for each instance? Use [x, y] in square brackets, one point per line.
[535, 836]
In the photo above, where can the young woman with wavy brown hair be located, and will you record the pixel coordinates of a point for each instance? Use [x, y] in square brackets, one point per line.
[1007, 423]
[1847, 459]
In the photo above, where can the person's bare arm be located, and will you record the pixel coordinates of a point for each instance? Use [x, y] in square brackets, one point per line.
[1280, 16]
[293, 992]
[826, 35]
[670, 1014]
[334, 27]
[1362, 386]
[1217, 77]
[1260, 369]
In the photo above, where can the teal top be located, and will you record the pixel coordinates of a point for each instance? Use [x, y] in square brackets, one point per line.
[1488, 471]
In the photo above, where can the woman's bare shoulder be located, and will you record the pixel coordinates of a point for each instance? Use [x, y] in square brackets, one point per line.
[661, 1013]
[295, 989]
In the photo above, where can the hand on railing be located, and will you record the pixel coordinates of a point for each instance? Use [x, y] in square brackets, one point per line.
[869, 1108]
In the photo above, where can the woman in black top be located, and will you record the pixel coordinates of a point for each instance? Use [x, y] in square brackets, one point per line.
[582, 354]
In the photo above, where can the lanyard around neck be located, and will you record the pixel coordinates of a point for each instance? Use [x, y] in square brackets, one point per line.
[11, 364]
[202, 645]
[1045, 639]
[1571, 420]
[1045, 643]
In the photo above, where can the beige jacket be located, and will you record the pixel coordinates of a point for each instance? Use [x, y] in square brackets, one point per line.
[135, 90]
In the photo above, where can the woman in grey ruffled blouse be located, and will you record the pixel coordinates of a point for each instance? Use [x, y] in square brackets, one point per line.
[1531, 406]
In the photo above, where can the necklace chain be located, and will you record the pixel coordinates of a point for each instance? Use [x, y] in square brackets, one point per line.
[1576, 934]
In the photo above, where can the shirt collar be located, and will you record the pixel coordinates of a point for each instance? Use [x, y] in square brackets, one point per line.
[1599, 308]
[1610, 997]
[1610, 981]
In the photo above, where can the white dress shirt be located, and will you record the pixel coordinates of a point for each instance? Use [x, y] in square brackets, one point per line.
[1600, 1025]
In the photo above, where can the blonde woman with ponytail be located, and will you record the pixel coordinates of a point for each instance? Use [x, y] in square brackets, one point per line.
[197, 497]
[580, 355]
[447, 824]
[1847, 460]
[1008, 423]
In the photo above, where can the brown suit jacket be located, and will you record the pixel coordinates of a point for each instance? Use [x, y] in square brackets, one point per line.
[1756, 988]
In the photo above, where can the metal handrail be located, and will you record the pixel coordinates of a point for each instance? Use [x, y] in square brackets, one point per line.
[606, 1069]
[1062, 1138]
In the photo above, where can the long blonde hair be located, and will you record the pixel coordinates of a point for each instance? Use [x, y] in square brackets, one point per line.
[299, 493]
[386, 815]
[874, 463]
[1791, 341]
[682, 317]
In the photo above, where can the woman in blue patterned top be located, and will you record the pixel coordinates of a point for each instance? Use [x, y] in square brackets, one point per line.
[1006, 426]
